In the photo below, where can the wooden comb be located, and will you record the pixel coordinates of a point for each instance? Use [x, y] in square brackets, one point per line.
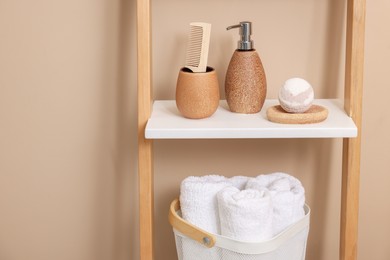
[198, 47]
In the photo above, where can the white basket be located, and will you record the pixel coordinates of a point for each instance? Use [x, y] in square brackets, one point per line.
[193, 243]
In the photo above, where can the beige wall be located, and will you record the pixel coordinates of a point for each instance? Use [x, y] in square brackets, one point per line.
[68, 180]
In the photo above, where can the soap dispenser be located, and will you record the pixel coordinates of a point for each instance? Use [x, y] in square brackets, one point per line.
[245, 83]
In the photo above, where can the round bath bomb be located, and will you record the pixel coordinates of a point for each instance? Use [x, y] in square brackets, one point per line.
[296, 95]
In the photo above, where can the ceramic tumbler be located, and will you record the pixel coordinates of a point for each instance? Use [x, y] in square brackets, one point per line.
[197, 94]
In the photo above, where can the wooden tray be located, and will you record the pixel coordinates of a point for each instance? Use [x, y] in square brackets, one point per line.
[315, 114]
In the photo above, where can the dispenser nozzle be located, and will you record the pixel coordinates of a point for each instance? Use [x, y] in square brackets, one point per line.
[245, 43]
[233, 26]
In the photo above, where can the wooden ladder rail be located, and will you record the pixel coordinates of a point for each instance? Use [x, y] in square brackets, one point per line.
[145, 146]
[356, 10]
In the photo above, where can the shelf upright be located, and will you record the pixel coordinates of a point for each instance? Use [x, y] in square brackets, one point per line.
[145, 146]
[354, 61]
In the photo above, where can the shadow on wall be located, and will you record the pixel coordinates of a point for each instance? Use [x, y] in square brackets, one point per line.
[116, 191]
[335, 31]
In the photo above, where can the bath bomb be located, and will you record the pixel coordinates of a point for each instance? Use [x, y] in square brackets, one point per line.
[296, 95]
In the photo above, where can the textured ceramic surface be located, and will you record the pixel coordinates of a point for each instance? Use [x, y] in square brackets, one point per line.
[245, 84]
[197, 94]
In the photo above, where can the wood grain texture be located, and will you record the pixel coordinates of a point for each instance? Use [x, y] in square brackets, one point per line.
[145, 147]
[315, 114]
[351, 146]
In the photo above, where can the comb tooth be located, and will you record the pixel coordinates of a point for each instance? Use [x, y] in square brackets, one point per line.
[197, 48]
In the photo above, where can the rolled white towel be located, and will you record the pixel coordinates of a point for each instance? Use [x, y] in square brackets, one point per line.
[278, 181]
[239, 181]
[288, 196]
[198, 202]
[245, 215]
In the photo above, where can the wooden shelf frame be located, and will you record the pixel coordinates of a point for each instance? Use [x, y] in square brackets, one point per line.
[353, 90]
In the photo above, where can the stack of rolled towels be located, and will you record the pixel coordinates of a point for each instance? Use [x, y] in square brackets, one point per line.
[242, 208]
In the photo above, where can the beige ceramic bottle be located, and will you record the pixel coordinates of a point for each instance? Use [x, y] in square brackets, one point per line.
[245, 83]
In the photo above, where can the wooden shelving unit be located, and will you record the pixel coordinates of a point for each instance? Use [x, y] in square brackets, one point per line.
[159, 120]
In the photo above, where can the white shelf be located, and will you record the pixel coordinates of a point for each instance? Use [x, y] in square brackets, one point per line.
[167, 123]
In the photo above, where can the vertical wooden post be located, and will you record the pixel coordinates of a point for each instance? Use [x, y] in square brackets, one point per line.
[351, 146]
[145, 147]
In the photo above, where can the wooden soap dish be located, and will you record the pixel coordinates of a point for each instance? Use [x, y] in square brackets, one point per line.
[315, 114]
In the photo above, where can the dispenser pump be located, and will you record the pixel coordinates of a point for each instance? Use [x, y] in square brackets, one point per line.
[245, 43]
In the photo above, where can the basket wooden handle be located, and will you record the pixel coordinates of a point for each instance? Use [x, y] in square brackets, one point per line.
[203, 237]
